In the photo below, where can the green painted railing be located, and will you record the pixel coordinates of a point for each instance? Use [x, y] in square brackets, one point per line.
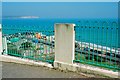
[28, 43]
[97, 44]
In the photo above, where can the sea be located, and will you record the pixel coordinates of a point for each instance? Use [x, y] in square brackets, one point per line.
[102, 32]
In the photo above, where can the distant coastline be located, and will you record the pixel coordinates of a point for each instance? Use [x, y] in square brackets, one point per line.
[29, 17]
[20, 17]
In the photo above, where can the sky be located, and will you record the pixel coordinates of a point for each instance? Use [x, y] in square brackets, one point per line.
[60, 0]
[61, 9]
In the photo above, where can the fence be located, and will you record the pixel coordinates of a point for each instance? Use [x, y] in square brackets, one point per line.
[97, 44]
[28, 42]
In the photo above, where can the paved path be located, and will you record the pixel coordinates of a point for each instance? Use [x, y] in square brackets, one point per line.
[13, 70]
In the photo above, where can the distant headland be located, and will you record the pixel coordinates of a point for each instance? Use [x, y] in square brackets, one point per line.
[27, 17]
[21, 17]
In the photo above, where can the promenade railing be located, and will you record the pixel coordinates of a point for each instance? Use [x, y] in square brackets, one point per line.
[30, 42]
[97, 44]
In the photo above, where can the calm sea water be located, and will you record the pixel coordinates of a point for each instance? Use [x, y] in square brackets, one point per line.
[105, 37]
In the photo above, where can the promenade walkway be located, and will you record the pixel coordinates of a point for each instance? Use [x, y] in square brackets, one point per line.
[13, 70]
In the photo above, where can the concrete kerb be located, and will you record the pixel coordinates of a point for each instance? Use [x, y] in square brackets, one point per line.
[7, 58]
[81, 68]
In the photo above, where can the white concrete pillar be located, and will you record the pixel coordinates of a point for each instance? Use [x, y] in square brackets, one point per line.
[64, 44]
[1, 49]
[5, 44]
